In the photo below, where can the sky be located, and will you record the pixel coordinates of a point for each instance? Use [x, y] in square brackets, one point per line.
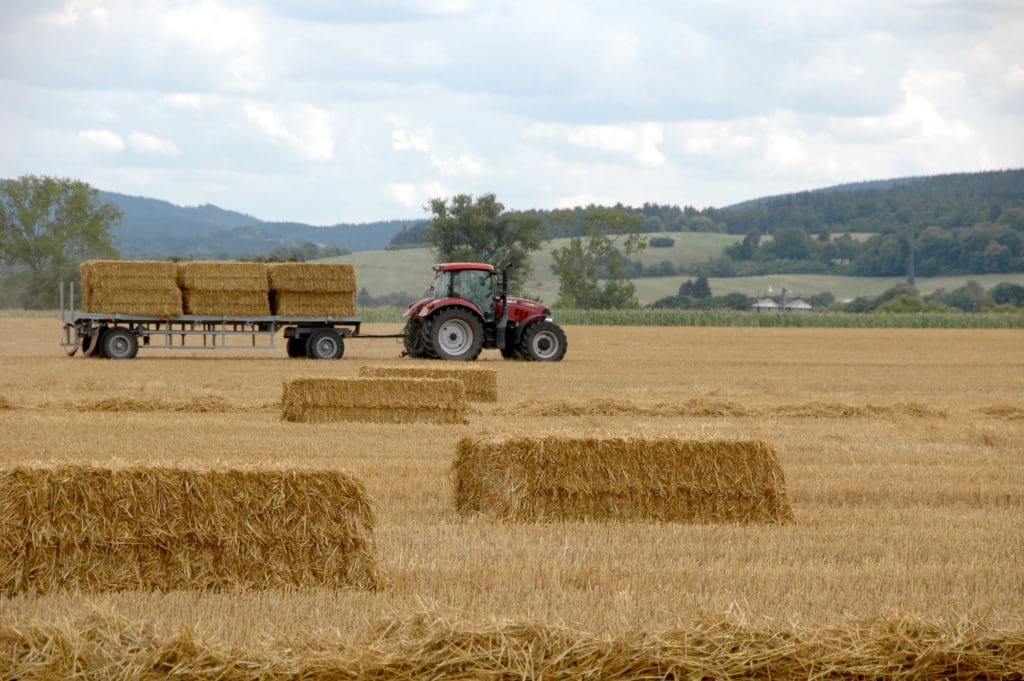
[329, 111]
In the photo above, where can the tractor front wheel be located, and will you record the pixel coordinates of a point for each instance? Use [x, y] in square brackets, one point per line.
[544, 342]
[455, 334]
[413, 338]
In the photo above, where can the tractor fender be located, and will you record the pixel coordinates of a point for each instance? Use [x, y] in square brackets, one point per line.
[432, 306]
[414, 307]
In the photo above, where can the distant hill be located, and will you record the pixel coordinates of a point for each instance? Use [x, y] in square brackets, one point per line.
[947, 201]
[158, 229]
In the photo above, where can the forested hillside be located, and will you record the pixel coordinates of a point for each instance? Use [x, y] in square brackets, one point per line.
[159, 229]
[968, 223]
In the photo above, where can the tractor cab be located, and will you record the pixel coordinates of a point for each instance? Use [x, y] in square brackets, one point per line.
[475, 282]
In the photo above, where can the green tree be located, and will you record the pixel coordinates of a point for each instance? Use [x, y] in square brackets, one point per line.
[464, 230]
[608, 237]
[48, 226]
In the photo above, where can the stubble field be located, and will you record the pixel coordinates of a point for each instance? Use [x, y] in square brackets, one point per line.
[903, 452]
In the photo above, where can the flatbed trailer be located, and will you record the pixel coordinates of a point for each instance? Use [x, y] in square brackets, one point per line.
[120, 336]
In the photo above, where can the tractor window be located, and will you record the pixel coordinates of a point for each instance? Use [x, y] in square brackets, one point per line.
[442, 286]
[476, 286]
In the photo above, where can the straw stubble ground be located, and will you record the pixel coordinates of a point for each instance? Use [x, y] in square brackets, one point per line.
[898, 512]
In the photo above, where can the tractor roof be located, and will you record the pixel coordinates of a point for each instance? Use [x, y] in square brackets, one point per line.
[456, 266]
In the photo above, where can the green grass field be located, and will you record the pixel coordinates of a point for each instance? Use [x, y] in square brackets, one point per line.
[408, 271]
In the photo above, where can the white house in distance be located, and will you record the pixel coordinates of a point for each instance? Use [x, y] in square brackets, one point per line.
[769, 301]
[765, 305]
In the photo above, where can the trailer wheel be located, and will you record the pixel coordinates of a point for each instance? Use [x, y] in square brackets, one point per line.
[118, 343]
[325, 344]
[295, 347]
[455, 334]
[544, 342]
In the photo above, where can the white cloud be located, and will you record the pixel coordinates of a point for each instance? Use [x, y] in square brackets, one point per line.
[415, 195]
[309, 134]
[182, 100]
[105, 141]
[639, 141]
[416, 140]
[150, 144]
[464, 164]
[230, 42]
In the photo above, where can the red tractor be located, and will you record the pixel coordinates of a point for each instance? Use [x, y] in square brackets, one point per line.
[468, 309]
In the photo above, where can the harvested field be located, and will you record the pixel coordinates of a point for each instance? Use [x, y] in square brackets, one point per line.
[481, 384]
[199, 405]
[139, 287]
[1009, 412]
[711, 407]
[429, 648]
[139, 527]
[640, 478]
[908, 524]
[373, 400]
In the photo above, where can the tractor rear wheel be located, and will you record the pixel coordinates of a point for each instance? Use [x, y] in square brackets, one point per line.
[544, 342]
[455, 334]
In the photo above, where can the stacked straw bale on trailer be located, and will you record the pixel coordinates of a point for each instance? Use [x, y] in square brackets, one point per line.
[224, 288]
[564, 477]
[373, 400]
[481, 384]
[299, 289]
[132, 287]
[135, 527]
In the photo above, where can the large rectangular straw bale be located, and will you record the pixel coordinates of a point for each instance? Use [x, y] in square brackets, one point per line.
[620, 478]
[307, 277]
[312, 304]
[139, 527]
[223, 276]
[134, 287]
[220, 303]
[374, 400]
[481, 384]
[234, 289]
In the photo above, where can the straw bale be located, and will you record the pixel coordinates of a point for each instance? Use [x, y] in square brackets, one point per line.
[102, 529]
[139, 287]
[312, 304]
[227, 303]
[103, 644]
[308, 277]
[223, 276]
[113, 272]
[563, 477]
[374, 400]
[481, 384]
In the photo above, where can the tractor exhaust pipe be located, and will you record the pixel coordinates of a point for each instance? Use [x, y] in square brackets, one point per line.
[502, 325]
